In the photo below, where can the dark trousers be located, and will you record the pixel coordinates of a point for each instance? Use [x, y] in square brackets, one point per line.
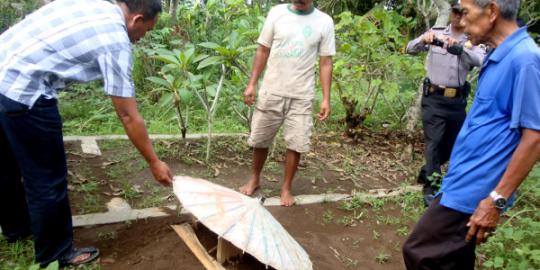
[442, 119]
[438, 241]
[32, 148]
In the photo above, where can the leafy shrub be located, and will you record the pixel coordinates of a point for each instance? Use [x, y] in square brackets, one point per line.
[516, 243]
[370, 66]
[12, 11]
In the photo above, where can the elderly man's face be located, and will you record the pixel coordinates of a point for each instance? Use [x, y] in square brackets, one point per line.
[478, 22]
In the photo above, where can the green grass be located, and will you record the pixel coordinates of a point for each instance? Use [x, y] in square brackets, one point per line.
[152, 197]
[328, 217]
[90, 204]
[382, 257]
[18, 255]
[86, 110]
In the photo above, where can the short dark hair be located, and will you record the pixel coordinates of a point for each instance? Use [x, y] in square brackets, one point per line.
[148, 8]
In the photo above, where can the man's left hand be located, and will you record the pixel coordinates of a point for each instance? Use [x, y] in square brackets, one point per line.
[483, 222]
[324, 111]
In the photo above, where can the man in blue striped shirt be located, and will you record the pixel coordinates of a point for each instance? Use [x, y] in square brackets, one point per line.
[67, 40]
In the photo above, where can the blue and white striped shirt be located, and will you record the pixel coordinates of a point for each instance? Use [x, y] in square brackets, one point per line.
[66, 40]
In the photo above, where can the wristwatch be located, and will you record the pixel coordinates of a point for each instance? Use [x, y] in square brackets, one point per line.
[498, 200]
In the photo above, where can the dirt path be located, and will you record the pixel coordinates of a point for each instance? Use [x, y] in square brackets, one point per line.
[335, 165]
[152, 244]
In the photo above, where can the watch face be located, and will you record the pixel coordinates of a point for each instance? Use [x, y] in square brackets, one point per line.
[500, 203]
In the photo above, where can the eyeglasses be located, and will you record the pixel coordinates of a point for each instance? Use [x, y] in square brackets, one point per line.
[457, 11]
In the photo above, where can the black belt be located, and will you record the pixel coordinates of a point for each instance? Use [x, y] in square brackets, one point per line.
[450, 92]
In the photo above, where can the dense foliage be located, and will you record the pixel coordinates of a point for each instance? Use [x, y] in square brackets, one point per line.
[369, 66]
[372, 74]
[12, 11]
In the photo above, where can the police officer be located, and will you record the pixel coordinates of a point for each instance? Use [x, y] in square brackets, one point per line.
[450, 58]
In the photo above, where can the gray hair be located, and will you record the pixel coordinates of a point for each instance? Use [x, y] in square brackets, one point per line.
[509, 8]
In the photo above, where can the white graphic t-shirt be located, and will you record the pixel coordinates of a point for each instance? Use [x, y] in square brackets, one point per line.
[295, 39]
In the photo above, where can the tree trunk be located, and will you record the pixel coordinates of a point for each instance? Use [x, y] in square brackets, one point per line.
[444, 13]
[166, 5]
[172, 11]
[413, 114]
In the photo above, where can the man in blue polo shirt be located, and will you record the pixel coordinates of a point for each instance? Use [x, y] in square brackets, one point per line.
[496, 148]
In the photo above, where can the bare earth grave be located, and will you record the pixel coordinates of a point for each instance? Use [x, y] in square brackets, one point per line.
[366, 236]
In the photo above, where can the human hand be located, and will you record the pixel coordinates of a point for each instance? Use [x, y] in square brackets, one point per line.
[249, 95]
[161, 172]
[324, 111]
[483, 221]
[428, 37]
[449, 41]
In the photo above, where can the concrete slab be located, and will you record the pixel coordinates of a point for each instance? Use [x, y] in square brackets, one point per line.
[153, 136]
[89, 146]
[121, 211]
[309, 199]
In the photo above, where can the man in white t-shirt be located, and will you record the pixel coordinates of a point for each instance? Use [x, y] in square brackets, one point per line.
[292, 37]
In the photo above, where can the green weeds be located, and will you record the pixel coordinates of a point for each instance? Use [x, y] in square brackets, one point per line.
[516, 242]
[328, 216]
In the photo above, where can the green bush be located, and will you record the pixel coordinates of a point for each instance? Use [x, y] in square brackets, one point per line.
[12, 11]
[516, 242]
[370, 68]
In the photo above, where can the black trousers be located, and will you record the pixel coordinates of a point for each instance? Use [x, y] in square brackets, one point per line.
[442, 118]
[438, 241]
[32, 148]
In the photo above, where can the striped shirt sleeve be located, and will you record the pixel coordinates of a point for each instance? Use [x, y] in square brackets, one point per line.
[116, 67]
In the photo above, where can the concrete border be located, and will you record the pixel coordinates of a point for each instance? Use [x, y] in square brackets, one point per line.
[152, 136]
[120, 211]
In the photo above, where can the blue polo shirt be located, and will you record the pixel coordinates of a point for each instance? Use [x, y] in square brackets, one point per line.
[507, 100]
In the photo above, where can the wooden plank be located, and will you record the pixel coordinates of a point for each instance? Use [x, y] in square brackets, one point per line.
[226, 251]
[188, 235]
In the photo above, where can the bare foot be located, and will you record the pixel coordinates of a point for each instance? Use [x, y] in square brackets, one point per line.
[250, 187]
[287, 199]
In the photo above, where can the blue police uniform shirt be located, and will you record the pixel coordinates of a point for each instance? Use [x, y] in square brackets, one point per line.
[507, 100]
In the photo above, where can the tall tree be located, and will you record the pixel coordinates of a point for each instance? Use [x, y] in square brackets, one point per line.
[173, 7]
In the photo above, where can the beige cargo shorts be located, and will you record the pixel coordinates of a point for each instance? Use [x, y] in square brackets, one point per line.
[271, 112]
